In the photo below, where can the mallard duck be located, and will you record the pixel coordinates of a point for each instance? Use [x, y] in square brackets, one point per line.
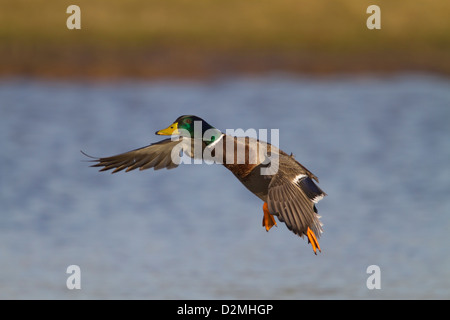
[288, 191]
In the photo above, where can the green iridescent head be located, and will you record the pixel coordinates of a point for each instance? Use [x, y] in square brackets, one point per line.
[193, 127]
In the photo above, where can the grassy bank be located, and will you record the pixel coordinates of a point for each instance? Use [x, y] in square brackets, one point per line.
[195, 38]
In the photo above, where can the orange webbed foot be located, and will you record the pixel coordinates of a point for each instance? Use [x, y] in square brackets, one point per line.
[313, 240]
[268, 219]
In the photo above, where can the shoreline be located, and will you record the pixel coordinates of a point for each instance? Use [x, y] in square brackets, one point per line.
[202, 64]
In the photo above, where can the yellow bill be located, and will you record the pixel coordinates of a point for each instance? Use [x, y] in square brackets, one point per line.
[171, 130]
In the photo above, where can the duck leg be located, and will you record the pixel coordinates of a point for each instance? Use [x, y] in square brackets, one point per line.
[268, 219]
[313, 240]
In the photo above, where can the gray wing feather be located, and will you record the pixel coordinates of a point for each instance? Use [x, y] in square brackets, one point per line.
[157, 155]
[292, 206]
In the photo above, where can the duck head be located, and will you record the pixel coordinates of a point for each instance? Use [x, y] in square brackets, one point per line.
[193, 127]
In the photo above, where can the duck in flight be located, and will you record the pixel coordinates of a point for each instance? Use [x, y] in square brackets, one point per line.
[285, 186]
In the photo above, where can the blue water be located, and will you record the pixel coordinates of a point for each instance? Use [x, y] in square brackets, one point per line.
[379, 145]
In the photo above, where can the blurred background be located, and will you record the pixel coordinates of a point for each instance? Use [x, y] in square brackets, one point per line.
[138, 38]
[367, 111]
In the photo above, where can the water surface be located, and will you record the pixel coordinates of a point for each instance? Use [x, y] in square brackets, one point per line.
[379, 145]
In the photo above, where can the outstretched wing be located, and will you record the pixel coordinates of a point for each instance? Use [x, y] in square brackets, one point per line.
[159, 155]
[293, 200]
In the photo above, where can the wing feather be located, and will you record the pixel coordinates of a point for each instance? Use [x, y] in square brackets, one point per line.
[157, 155]
[292, 206]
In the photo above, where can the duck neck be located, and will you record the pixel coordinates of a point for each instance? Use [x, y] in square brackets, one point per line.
[211, 135]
